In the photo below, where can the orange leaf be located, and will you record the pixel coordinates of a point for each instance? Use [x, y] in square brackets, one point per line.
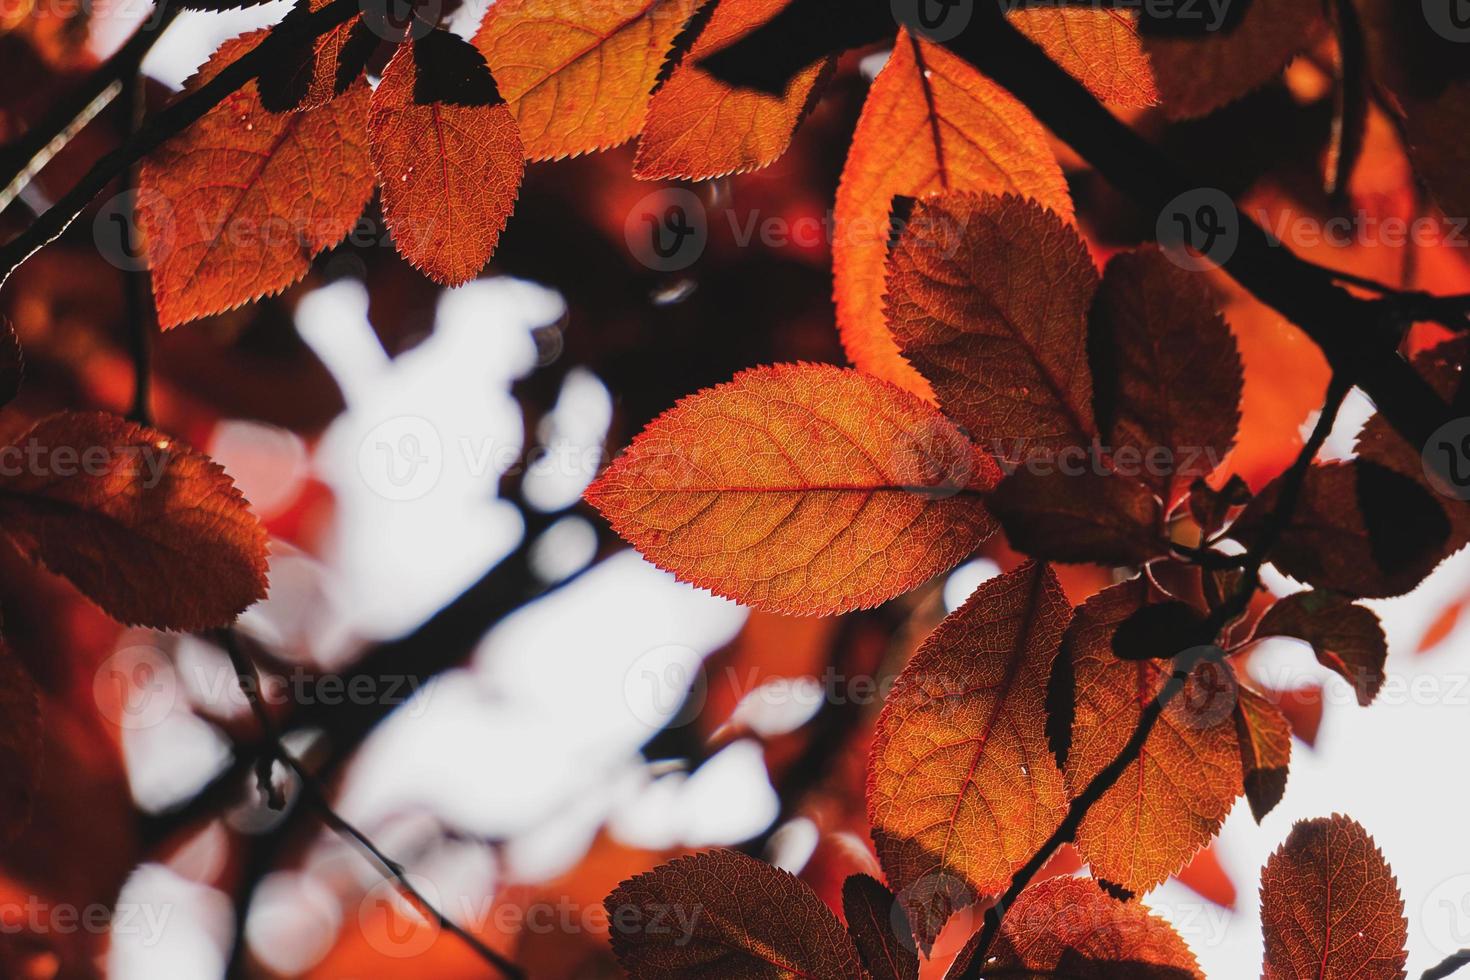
[150, 530]
[1265, 750]
[728, 917]
[930, 123]
[879, 929]
[1330, 906]
[315, 70]
[234, 208]
[1100, 48]
[447, 155]
[1067, 927]
[1346, 637]
[578, 75]
[20, 744]
[988, 297]
[1167, 377]
[803, 489]
[961, 787]
[1197, 75]
[1174, 798]
[698, 127]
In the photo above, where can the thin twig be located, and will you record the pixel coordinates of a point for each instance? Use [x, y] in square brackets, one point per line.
[313, 790]
[1448, 965]
[1182, 666]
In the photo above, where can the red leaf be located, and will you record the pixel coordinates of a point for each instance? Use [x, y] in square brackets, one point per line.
[1100, 48]
[931, 123]
[450, 165]
[316, 70]
[150, 530]
[1265, 751]
[698, 128]
[577, 76]
[724, 915]
[804, 489]
[1067, 927]
[234, 207]
[961, 788]
[880, 929]
[20, 744]
[988, 297]
[1083, 517]
[1330, 906]
[1346, 637]
[1167, 377]
[1174, 798]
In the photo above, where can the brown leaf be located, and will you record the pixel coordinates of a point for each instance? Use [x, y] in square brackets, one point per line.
[1346, 637]
[880, 929]
[20, 744]
[1330, 906]
[988, 298]
[1089, 516]
[150, 530]
[725, 916]
[1265, 750]
[12, 362]
[960, 783]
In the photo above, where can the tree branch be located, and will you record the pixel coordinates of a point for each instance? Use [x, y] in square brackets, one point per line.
[973, 958]
[313, 791]
[1447, 966]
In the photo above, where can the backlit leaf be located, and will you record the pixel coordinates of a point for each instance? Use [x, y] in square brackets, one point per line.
[1086, 516]
[1167, 377]
[577, 76]
[880, 929]
[1100, 48]
[728, 917]
[1346, 637]
[961, 785]
[698, 127]
[315, 70]
[1330, 906]
[1196, 75]
[1067, 927]
[235, 206]
[804, 489]
[1265, 751]
[447, 155]
[150, 530]
[988, 298]
[1174, 798]
[931, 123]
[20, 744]
[1359, 528]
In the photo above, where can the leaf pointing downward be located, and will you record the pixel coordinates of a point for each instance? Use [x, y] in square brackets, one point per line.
[447, 155]
[960, 783]
[931, 123]
[803, 489]
[879, 929]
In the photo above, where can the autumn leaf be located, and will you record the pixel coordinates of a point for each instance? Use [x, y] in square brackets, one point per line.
[931, 123]
[1083, 516]
[1167, 377]
[988, 298]
[1100, 48]
[1346, 637]
[313, 71]
[880, 929]
[1067, 927]
[446, 152]
[961, 788]
[293, 186]
[20, 744]
[803, 489]
[728, 917]
[1330, 906]
[150, 530]
[698, 128]
[577, 76]
[1359, 528]
[1265, 750]
[1188, 774]
[1198, 74]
